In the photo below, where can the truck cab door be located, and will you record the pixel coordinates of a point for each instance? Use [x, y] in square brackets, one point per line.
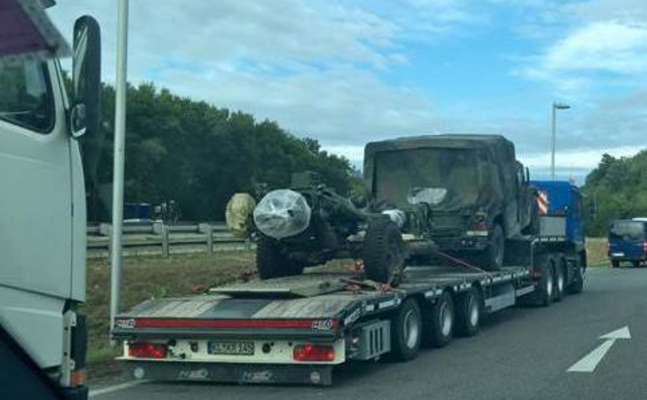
[35, 204]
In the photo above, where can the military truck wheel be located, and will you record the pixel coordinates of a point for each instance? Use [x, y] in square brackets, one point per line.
[271, 262]
[492, 257]
[383, 250]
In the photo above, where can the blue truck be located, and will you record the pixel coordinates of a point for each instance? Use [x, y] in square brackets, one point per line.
[298, 329]
[628, 242]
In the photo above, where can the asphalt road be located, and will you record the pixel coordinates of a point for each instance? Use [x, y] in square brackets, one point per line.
[521, 353]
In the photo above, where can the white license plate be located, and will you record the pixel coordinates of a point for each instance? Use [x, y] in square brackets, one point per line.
[618, 254]
[231, 348]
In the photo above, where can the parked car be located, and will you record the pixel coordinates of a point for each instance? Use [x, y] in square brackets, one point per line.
[628, 241]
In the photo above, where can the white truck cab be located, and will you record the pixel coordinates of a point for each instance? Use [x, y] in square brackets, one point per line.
[42, 204]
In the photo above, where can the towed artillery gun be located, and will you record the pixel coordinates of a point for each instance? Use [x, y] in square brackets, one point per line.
[310, 224]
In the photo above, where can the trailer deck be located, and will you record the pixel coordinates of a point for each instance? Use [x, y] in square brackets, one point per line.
[251, 332]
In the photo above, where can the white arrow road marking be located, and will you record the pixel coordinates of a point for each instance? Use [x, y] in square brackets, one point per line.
[591, 360]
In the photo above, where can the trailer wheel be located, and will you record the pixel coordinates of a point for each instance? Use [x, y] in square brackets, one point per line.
[492, 257]
[615, 263]
[383, 250]
[271, 262]
[636, 264]
[439, 324]
[406, 332]
[559, 279]
[545, 287]
[469, 309]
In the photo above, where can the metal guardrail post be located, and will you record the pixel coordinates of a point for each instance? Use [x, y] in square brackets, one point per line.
[165, 241]
[209, 233]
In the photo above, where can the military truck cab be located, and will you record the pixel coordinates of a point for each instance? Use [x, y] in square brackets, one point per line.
[476, 192]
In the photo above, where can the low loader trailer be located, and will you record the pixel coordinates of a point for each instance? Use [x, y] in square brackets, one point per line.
[297, 329]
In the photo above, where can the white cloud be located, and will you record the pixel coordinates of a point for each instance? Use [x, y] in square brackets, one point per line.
[608, 46]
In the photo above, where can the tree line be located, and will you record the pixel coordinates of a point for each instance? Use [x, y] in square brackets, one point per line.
[197, 154]
[618, 188]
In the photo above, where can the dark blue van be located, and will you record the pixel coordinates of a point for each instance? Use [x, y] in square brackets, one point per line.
[628, 241]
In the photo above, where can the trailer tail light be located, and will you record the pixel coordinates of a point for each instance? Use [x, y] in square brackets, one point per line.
[311, 352]
[78, 377]
[147, 350]
[645, 246]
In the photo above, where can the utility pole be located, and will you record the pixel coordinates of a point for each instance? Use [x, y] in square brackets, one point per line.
[119, 161]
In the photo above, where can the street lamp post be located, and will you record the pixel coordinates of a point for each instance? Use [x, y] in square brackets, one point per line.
[553, 143]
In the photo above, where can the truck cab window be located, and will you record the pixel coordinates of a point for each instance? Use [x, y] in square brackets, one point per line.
[25, 95]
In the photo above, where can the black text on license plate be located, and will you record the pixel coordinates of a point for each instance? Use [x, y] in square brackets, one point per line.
[232, 348]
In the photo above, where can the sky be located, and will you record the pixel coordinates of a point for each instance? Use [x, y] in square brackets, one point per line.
[353, 71]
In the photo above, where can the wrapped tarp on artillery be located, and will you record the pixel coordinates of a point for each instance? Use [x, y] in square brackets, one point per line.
[282, 213]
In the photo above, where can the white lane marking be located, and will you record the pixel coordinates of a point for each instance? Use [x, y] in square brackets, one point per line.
[591, 360]
[115, 388]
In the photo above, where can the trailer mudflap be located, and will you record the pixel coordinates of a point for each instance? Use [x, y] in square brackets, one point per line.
[320, 375]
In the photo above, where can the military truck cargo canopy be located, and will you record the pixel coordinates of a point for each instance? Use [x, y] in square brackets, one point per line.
[464, 170]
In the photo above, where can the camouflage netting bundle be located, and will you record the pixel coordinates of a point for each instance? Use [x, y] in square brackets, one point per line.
[238, 212]
[282, 213]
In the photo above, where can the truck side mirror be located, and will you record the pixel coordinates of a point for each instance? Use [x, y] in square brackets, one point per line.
[86, 72]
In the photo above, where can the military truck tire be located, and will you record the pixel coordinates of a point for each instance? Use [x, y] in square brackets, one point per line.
[492, 257]
[271, 262]
[383, 250]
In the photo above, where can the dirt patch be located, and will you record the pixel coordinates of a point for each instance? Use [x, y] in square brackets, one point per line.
[151, 277]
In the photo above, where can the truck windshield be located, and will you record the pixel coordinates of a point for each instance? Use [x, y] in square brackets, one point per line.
[628, 230]
[454, 170]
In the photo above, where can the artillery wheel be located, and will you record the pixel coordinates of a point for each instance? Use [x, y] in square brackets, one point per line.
[383, 250]
[271, 262]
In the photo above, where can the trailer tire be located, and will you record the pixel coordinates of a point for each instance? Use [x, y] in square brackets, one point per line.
[439, 323]
[636, 264]
[559, 278]
[271, 262]
[615, 263]
[469, 311]
[406, 332]
[491, 259]
[383, 250]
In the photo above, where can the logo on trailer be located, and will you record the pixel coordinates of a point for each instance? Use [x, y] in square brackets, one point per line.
[542, 202]
[323, 324]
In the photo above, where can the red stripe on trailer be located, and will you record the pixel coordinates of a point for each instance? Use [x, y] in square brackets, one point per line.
[237, 323]
[542, 202]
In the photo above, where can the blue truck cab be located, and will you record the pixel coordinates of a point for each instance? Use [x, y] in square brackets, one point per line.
[628, 241]
[560, 210]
